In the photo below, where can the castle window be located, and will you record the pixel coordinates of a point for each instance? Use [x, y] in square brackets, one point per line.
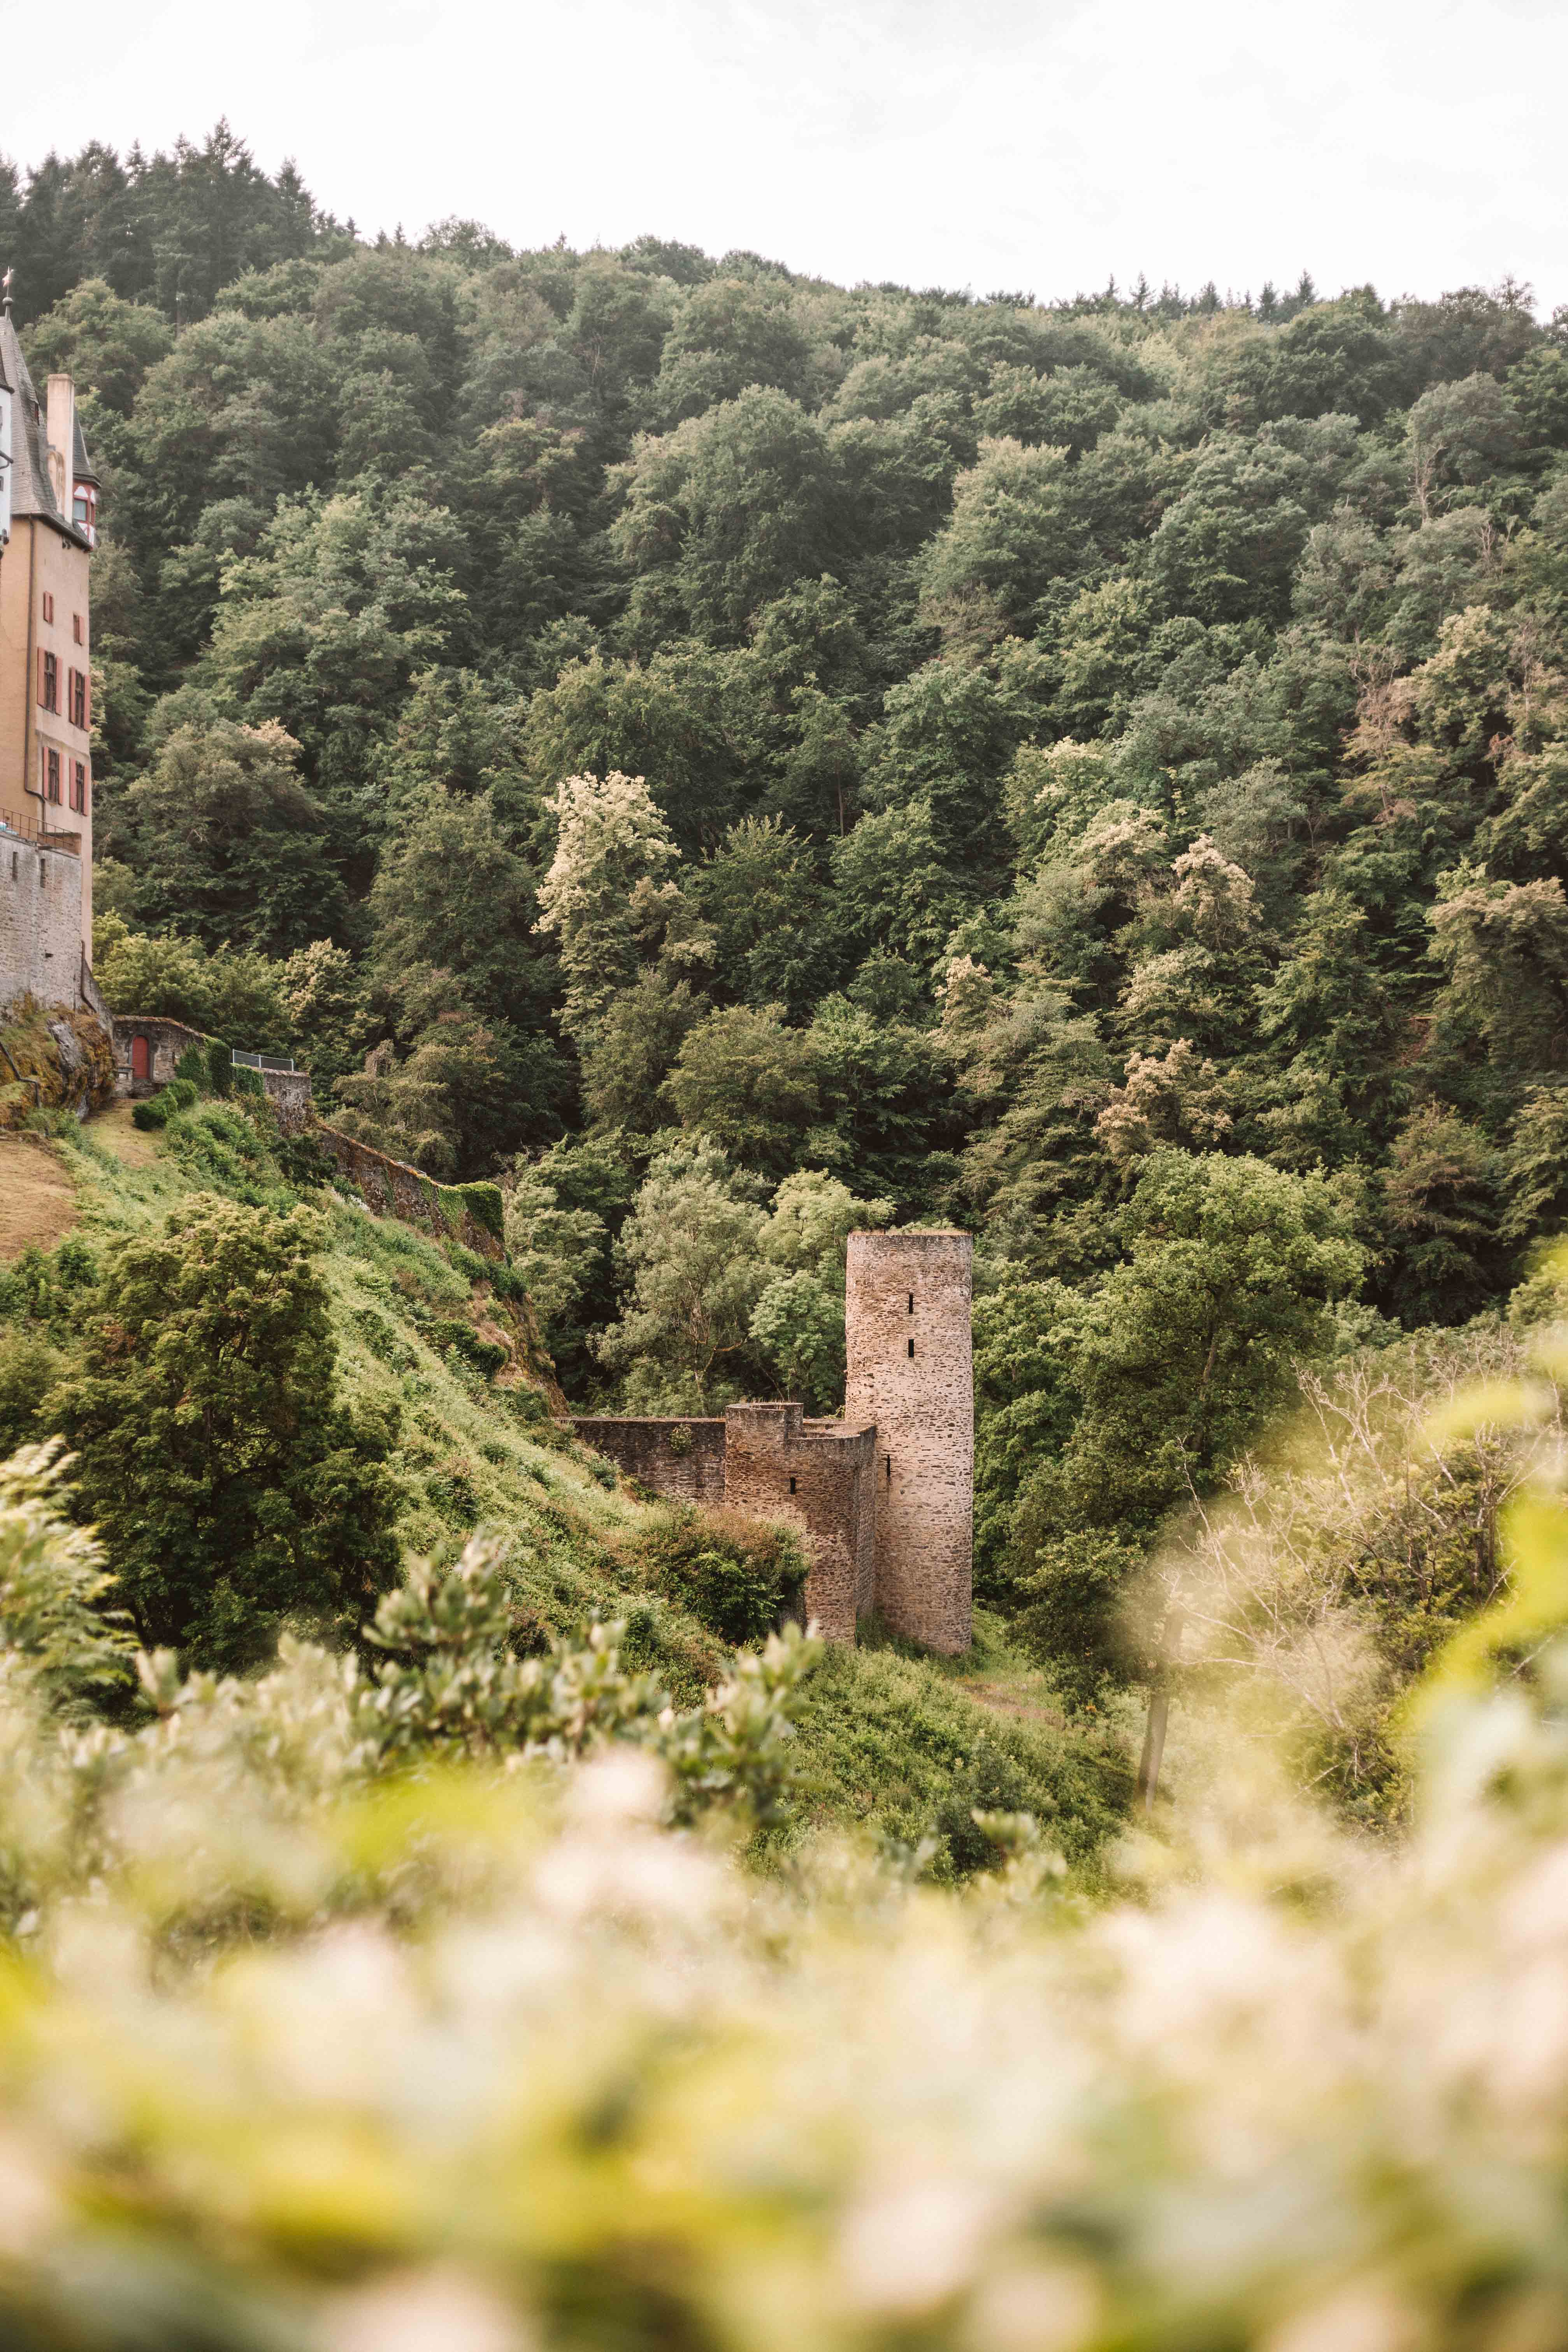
[912, 1347]
[888, 1460]
[911, 1302]
[49, 681]
[791, 1485]
[84, 511]
[15, 863]
[78, 697]
[52, 773]
[48, 606]
[79, 786]
[78, 631]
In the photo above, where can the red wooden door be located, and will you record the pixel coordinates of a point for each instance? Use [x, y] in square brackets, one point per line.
[141, 1058]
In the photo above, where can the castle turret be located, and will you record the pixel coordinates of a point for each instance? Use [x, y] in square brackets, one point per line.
[911, 1370]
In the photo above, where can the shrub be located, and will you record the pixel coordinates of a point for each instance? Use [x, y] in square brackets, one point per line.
[482, 1202]
[450, 1487]
[28, 1370]
[192, 1069]
[231, 1484]
[738, 1575]
[458, 1339]
[151, 1114]
[220, 1067]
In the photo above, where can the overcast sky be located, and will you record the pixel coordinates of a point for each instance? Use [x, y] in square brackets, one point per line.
[1036, 144]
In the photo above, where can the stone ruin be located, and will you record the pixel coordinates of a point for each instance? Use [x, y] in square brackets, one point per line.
[884, 1499]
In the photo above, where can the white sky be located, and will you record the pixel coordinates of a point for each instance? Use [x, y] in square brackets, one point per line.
[1001, 143]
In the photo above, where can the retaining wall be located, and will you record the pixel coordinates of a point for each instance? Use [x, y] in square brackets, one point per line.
[393, 1188]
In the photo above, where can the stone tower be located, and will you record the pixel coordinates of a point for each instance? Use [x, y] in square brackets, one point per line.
[911, 1370]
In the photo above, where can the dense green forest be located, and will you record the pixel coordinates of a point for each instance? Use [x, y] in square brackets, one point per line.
[739, 757]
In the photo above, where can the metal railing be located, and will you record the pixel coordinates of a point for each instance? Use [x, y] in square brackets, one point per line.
[260, 1062]
[28, 828]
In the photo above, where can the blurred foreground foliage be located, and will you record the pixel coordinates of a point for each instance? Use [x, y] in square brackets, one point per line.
[427, 2009]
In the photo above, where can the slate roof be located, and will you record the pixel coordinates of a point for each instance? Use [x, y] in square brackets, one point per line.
[32, 491]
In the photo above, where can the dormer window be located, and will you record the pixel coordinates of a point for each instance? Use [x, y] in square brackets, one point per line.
[84, 511]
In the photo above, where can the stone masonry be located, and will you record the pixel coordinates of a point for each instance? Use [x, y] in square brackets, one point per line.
[882, 1499]
[910, 1372]
[41, 922]
[147, 1050]
[682, 1459]
[819, 1477]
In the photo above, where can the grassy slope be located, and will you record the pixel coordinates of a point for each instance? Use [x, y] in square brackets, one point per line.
[899, 1744]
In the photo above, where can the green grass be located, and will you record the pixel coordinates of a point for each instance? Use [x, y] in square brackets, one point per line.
[895, 1744]
[912, 1748]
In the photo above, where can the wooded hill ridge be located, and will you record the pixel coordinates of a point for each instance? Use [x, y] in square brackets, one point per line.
[740, 756]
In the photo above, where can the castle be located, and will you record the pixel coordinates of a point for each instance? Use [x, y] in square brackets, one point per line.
[883, 1499]
[48, 526]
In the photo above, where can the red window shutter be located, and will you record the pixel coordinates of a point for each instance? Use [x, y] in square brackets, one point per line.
[86, 698]
[41, 695]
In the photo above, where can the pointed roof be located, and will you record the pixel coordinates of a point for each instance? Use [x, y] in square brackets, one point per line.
[32, 491]
[82, 465]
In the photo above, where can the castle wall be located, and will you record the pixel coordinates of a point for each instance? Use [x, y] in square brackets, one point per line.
[40, 922]
[689, 1470]
[393, 1188]
[884, 1499]
[910, 1372]
[818, 1476]
[769, 1462]
[289, 1092]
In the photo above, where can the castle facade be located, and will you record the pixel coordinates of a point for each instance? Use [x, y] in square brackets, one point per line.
[49, 527]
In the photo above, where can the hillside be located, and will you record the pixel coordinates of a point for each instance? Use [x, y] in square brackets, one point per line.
[892, 1744]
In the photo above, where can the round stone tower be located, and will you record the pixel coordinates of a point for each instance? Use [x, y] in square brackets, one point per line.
[911, 1370]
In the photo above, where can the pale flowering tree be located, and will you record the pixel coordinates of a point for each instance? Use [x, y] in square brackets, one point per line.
[312, 2040]
[607, 889]
[1329, 1574]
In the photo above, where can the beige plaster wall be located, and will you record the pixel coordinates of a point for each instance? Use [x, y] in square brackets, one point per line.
[40, 560]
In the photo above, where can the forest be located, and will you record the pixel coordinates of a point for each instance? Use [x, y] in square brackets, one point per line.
[736, 758]
[699, 760]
